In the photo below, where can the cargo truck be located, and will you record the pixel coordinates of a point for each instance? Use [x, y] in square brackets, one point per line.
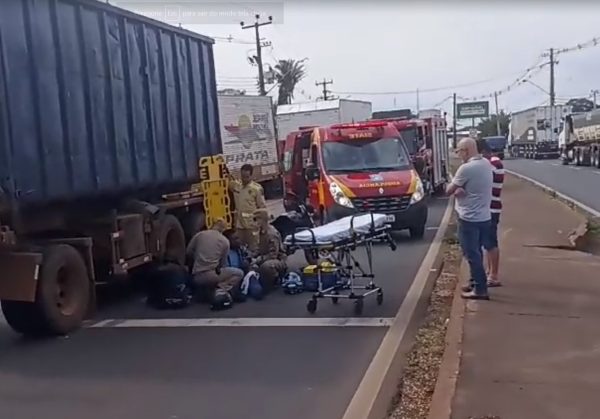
[533, 133]
[104, 117]
[291, 117]
[580, 139]
[249, 136]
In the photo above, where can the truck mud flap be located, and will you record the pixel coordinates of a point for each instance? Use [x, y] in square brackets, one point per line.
[20, 271]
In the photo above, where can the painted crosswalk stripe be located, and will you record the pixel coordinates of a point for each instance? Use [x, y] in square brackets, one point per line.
[245, 322]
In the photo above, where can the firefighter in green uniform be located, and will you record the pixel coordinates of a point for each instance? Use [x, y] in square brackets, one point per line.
[248, 197]
[270, 257]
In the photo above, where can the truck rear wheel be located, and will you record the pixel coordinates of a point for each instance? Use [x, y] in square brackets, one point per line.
[62, 296]
[171, 240]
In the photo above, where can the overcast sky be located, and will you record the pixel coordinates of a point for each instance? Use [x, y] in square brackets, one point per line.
[381, 47]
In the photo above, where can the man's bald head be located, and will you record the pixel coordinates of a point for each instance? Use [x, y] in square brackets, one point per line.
[467, 148]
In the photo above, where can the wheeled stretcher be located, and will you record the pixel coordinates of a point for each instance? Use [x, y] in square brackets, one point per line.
[337, 241]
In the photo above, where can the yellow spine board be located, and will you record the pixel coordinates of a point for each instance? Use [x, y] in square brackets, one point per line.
[215, 186]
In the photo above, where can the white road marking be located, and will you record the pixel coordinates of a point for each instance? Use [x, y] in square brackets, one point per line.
[246, 322]
[584, 207]
[366, 394]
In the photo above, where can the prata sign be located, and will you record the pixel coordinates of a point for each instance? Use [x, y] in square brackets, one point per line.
[472, 110]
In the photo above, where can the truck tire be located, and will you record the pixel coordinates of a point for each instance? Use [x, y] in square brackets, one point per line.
[62, 296]
[172, 242]
[595, 158]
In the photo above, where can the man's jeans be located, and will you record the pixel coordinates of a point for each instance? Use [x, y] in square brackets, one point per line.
[472, 237]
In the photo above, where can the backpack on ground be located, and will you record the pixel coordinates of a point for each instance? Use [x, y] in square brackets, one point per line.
[169, 287]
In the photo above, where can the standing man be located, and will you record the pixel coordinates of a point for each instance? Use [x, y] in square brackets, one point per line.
[248, 197]
[472, 189]
[493, 250]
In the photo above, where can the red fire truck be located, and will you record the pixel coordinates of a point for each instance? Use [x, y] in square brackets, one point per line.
[357, 167]
[426, 141]
[435, 151]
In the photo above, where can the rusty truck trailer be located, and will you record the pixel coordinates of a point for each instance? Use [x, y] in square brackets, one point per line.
[104, 117]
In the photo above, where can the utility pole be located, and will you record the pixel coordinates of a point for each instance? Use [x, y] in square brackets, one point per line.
[552, 93]
[497, 114]
[256, 25]
[594, 93]
[454, 121]
[324, 83]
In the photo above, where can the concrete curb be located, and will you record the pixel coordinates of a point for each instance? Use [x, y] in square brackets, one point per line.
[379, 384]
[445, 386]
[565, 199]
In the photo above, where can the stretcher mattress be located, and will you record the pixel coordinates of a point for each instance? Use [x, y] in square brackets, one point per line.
[339, 230]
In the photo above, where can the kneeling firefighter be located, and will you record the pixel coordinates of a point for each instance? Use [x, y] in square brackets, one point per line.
[270, 258]
[209, 250]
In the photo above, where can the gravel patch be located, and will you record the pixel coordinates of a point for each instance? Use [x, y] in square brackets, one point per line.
[423, 362]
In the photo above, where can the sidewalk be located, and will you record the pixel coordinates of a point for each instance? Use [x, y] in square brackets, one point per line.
[533, 351]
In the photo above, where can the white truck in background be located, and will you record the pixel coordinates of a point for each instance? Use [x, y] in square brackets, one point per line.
[580, 139]
[291, 117]
[534, 132]
[248, 135]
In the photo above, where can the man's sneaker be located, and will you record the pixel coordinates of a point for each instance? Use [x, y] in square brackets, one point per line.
[472, 295]
[467, 288]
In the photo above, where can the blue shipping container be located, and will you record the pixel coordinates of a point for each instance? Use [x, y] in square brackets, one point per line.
[96, 100]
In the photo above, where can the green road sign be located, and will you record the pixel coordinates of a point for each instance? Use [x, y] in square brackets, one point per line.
[472, 110]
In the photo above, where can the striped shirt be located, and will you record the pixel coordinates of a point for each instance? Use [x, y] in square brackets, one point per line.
[496, 206]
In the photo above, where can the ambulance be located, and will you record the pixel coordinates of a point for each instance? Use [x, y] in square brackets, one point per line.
[351, 168]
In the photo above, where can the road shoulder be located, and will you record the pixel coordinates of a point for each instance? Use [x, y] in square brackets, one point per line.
[531, 352]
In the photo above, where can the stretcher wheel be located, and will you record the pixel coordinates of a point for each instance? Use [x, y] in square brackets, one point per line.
[380, 297]
[335, 300]
[311, 306]
[358, 307]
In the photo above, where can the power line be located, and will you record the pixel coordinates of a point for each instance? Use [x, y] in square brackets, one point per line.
[585, 45]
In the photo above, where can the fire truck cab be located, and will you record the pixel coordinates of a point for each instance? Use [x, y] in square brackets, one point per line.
[345, 169]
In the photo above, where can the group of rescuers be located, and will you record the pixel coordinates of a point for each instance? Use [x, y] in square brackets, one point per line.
[221, 257]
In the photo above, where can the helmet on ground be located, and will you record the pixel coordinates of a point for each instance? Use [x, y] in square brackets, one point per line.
[222, 301]
[292, 283]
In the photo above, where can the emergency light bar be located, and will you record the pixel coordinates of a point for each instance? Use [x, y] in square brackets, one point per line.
[307, 127]
[360, 125]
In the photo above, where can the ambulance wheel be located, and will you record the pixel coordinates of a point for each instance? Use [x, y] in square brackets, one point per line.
[417, 231]
[358, 307]
[311, 306]
[379, 297]
[311, 256]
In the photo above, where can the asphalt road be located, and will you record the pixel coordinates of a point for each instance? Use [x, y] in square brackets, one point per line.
[579, 183]
[111, 369]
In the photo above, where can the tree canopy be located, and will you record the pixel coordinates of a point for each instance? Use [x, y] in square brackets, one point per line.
[488, 126]
[288, 73]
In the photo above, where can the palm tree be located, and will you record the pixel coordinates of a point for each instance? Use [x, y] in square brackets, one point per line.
[288, 74]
